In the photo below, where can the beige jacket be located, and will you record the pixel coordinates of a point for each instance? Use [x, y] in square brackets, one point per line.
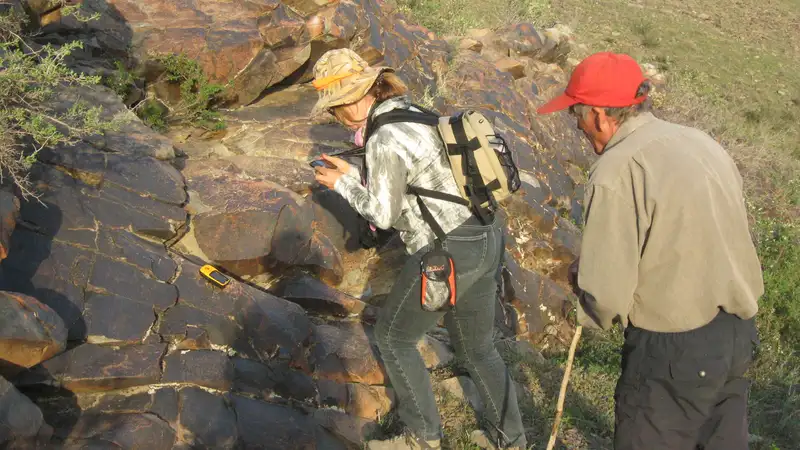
[666, 239]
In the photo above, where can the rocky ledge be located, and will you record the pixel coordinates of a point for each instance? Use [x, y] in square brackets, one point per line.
[111, 338]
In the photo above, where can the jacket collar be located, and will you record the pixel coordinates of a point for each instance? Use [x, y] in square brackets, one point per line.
[628, 128]
[388, 105]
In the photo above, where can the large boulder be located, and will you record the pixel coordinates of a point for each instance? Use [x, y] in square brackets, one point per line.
[30, 332]
[19, 417]
[253, 227]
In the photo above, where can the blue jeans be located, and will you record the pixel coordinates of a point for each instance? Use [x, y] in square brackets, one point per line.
[477, 251]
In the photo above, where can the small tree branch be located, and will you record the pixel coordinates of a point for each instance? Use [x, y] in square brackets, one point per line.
[563, 392]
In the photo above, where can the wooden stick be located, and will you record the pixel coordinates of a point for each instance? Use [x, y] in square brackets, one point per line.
[563, 392]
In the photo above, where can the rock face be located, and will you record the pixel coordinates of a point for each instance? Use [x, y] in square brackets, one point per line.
[126, 345]
[9, 211]
[19, 417]
[30, 332]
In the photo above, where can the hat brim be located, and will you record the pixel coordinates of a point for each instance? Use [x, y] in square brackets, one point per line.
[559, 103]
[355, 90]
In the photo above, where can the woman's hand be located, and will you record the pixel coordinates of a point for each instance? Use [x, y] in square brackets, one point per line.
[338, 163]
[328, 176]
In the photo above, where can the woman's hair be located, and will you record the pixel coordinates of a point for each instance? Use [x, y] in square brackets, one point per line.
[386, 86]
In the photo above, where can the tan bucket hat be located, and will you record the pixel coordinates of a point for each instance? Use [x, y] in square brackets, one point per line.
[342, 77]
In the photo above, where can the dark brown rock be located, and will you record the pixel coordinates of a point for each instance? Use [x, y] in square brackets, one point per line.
[201, 367]
[542, 304]
[263, 325]
[514, 67]
[271, 327]
[467, 83]
[163, 402]
[314, 295]
[274, 377]
[297, 139]
[19, 417]
[30, 332]
[89, 367]
[251, 227]
[283, 27]
[225, 38]
[9, 212]
[151, 259]
[353, 430]
[297, 176]
[359, 400]
[54, 273]
[342, 352]
[114, 319]
[114, 277]
[275, 427]
[132, 137]
[190, 328]
[566, 241]
[206, 419]
[124, 430]
[522, 39]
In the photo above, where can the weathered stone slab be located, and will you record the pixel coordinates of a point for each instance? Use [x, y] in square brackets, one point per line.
[124, 430]
[132, 137]
[111, 318]
[206, 419]
[30, 332]
[271, 327]
[270, 426]
[274, 377]
[90, 368]
[205, 368]
[360, 400]
[19, 417]
[294, 175]
[353, 430]
[190, 328]
[540, 301]
[117, 278]
[314, 295]
[52, 272]
[342, 352]
[150, 258]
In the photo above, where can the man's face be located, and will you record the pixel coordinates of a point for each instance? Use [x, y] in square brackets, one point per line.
[596, 126]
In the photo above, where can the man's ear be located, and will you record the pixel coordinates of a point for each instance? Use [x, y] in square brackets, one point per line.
[602, 121]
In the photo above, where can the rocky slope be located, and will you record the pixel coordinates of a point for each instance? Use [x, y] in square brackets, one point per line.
[108, 326]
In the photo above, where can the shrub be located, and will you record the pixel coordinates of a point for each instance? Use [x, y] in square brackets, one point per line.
[30, 79]
[198, 95]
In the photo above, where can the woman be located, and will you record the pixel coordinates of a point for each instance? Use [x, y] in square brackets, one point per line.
[398, 155]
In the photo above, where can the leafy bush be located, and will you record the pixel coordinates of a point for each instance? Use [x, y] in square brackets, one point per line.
[30, 78]
[198, 96]
[121, 80]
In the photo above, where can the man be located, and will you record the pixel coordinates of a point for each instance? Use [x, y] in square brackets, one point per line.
[666, 252]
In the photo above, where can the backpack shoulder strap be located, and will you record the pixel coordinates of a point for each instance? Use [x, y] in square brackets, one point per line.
[397, 116]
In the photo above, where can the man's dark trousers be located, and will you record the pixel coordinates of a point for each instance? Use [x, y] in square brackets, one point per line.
[685, 391]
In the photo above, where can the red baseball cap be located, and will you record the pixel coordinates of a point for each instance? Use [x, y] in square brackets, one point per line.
[603, 79]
